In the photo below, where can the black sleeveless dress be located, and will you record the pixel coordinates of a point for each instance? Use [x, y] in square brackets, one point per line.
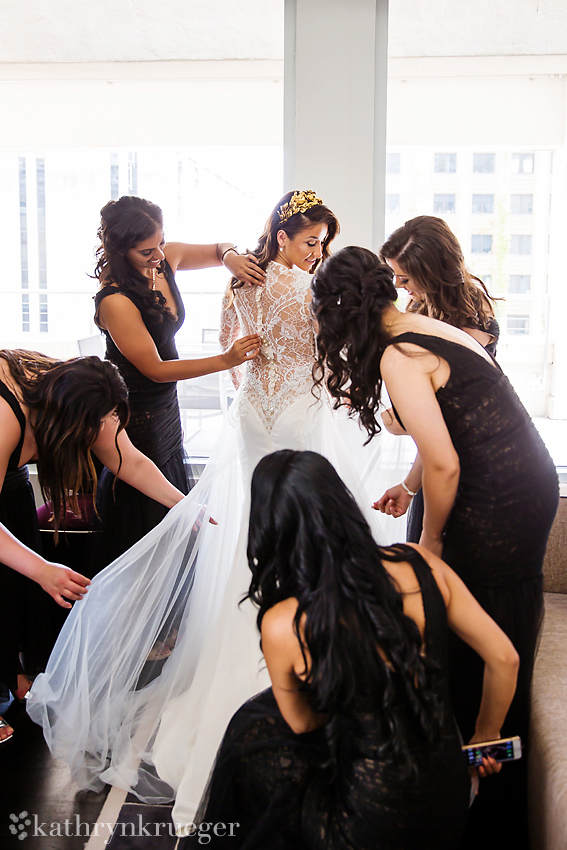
[154, 428]
[273, 784]
[495, 538]
[23, 616]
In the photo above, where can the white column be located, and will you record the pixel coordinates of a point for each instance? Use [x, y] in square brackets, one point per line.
[335, 110]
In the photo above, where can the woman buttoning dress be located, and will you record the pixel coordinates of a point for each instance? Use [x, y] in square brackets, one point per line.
[428, 263]
[139, 309]
[354, 745]
[490, 487]
[57, 414]
[115, 720]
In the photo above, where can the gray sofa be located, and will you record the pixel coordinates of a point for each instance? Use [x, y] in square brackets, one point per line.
[548, 752]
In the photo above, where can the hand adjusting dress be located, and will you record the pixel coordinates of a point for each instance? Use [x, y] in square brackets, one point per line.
[102, 708]
[271, 782]
[154, 428]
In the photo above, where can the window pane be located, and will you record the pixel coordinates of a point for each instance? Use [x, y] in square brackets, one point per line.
[519, 284]
[483, 163]
[392, 204]
[25, 312]
[521, 204]
[444, 203]
[518, 325]
[522, 163]
[521, 244]
[481, 244]
[483, 203]
[392, 163]
[445, 163]
[43, 326]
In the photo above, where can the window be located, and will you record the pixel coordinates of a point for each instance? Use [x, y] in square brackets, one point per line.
[132, 173]
[483, 203]
[519, 284]
[522, 204]
[520, 244]
[518, 325]
[483, 163]
[392, 163]
[210, 336]
[444, 203]
[445, 163]
[114, 186]
[522, 163]
[23, 224]
[392, 204]
[43, 328]
[481, 244]
[487, 280]
[41, 246]
[25, 312]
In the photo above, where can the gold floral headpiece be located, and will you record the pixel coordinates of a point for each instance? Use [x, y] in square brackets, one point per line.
[298, 203]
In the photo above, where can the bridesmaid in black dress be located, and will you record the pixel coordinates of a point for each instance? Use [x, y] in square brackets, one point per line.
[354, 745]
[428, 263]
[139, 309]
[490, 487]
[57, 414]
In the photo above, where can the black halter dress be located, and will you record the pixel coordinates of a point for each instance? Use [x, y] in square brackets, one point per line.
[272, 783]
[154, 428]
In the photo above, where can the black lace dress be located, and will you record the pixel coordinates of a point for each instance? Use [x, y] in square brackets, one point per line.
[273, 784]
[154, 428]
[24, 611]
[496, 534]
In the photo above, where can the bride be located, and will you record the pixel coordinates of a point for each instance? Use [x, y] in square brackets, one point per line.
[148, 671]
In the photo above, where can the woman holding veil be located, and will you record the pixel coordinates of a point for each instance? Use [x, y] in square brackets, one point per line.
[155, 726]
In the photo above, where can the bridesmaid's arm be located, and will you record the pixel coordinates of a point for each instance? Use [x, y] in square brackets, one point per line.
[410, 385]
[124, 322]
[185, 257]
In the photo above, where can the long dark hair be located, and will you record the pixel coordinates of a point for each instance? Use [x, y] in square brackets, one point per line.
[308, 540]
[350, 292]
[123, 224]
[67, 400]
[428, 251]
[267, 247]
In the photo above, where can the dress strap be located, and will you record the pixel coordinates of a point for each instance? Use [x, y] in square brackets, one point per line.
[434, 607]
[9, 396]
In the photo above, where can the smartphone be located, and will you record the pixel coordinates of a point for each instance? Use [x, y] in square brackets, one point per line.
[504, 749]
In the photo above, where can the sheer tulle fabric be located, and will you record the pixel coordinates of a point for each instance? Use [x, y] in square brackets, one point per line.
[110, 703]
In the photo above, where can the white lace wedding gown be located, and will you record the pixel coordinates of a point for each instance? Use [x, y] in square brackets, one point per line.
[155, 726]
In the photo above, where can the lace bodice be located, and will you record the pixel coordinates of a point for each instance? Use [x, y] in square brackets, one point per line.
[279, 312]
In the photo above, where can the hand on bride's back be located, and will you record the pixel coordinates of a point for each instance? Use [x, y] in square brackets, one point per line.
[243, 349]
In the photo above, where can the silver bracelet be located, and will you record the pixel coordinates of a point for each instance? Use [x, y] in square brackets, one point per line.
[408, 491]
[224, 253]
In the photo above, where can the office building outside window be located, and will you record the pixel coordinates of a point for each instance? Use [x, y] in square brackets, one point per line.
[518, 325]
[481, 243]
[443, 203]
[445, 163]
[521, 204]
[483, 163]
[393, 163]
[483, 203]
[392, 204]
[520, 244]
[519, 284]
[522, 163]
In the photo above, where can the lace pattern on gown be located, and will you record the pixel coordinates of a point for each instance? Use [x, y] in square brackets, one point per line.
[279, 312]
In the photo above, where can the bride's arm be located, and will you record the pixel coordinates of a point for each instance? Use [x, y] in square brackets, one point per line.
[229, 330]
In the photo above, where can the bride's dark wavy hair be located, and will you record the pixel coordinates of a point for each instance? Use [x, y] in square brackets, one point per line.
[350, 292]
[123, 225]
[67, 400]
[308, 540]
[267, 247]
